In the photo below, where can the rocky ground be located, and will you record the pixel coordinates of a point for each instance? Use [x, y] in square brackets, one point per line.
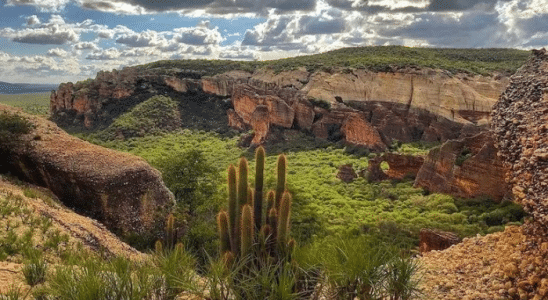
[34, 209]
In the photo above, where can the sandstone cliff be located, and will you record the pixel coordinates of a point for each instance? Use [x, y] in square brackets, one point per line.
[121, 190]
[467, 168]
[373, 108]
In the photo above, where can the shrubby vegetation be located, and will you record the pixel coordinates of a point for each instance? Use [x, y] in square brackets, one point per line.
[157, 114]
[322, 204]
[376, 58]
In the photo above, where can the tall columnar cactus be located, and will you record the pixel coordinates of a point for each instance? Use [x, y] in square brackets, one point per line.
[258, 195]
[233, 206]
[245, 229]
[170, 231]
[280, 186]
[283, 221]
[222, 223]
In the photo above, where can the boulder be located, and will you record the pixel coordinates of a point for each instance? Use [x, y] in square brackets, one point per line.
[467, 167]
[119, 189]
[346, 173]
[436, 240]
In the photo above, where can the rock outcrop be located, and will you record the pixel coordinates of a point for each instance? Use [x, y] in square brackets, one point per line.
[400, 167]
[521, 134]
[374, 108]
[460, 98]
[436, 240]
[346, 173]
[121, 190]
[468, 168]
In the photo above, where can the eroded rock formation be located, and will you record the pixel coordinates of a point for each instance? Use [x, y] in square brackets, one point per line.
[468, 168]
[400, 167]
[436, 240]
[119, 189]
[346, 173]
[374, 108]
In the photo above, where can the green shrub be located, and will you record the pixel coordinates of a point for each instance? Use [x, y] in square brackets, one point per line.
[463, 156]
[178, 269]
[114, 279]
[366, 268]
[12, 126]
[35, 272]
[155, 115]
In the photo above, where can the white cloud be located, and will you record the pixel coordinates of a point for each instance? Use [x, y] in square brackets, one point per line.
[55, 32]
[108, 54]
[42, 5]
[142, 39]
[32, 20]
[201, 34]
[86, 46]
[57, 52]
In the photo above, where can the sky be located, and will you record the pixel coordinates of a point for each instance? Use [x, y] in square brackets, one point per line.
[53, 41]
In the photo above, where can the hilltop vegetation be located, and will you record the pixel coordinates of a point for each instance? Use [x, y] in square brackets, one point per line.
[377, 58]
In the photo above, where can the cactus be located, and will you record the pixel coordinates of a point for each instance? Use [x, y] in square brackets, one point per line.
[280, 186]
[170, 231]
[245, 224]
[224, 236]
[283, 222]
[247, 230]
[258, 195]
[158, 248]
[233, 206]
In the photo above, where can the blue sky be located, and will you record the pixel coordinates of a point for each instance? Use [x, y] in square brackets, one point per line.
[53, 41]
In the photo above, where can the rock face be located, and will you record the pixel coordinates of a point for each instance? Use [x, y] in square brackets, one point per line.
[346, 173]
[520, 127]
[460, 98]
[436, 240]
[374, 108]
[467, 168]
[521, 134]
[400, 167]
[121, 190]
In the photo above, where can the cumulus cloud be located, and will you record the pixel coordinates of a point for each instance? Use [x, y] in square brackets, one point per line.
[201, 34]
[32, 20]
[57, 52]
[86, 46]
[42, 5]
[108, 54]
[55, 32]
[142, 39]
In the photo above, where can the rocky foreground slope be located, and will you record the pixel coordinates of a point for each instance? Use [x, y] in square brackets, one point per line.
[121, 190]
[512, 264]
[57, 230]
[362, 107]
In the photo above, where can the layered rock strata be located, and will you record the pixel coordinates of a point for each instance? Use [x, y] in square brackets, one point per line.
[468, 168]
[121, 190]
[374, 108]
